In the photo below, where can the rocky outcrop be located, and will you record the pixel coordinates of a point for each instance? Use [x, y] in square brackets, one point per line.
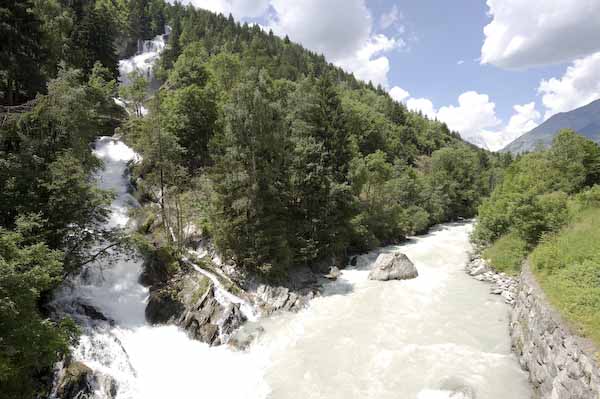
[561, 365]
[75, 380]
[393, 266]
[189, 300]
[502, 284]
[271, 299]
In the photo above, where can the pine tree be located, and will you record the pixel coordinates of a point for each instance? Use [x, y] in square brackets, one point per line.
[21, 55]
[249, 222]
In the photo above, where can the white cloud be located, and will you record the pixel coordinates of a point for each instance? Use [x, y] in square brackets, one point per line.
[460, 62]
[423, 105]
[367, 63]
[474, 114]
[579, 86]
[399, 94]
[525, 118]
[539, 32]
[475, 118]
[390, 18]
[238, 8]
[340, 29]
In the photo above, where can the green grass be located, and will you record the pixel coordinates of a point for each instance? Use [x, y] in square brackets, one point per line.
[507, 254]
[567, 266]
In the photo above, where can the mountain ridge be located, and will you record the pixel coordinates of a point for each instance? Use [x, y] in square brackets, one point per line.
[584, 120]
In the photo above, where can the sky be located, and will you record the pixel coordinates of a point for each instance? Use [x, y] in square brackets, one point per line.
[492, 70]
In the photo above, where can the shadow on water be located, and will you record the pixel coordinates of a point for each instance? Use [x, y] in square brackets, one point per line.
[338, 287]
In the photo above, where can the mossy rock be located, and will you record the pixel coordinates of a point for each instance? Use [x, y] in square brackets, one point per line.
[76, 381]
[159, 266]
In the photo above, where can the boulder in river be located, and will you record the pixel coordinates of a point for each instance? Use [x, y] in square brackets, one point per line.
[76, 380]
[333, 274]
[393, 266]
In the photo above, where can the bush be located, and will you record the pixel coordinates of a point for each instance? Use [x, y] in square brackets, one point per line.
[507, 253]
[567, 265]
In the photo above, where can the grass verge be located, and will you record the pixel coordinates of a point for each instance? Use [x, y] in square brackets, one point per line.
[507, 254]
[567, 266]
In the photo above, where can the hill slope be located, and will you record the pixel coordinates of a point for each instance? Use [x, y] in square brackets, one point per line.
[584, 120]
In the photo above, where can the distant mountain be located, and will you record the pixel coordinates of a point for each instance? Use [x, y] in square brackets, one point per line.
[584, 120]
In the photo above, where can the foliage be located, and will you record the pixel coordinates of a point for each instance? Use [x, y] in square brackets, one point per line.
[567, 265]
[532, 198]
[304, 161]
[507, 253]
[29, 343]
[22, 54]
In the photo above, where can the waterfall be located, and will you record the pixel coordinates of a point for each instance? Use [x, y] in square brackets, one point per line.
[108, 303]
[148, 53]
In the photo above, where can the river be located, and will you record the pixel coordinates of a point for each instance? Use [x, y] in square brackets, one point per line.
[432, 337]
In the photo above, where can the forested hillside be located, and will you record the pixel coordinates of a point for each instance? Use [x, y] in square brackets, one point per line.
[272, 153]
[283, 159]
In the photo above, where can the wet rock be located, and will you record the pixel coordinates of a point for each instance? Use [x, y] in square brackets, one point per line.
[159, 266]
[274, 298]
[91, 312]
[393, 266]
[189, 301]
[479, 268]
[324, 265]
[76, 381]
[245, 336]
[302, 277]
[163, 307]
[333, 274]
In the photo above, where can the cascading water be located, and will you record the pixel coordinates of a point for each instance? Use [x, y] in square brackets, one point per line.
[148, 53]
[440, 335]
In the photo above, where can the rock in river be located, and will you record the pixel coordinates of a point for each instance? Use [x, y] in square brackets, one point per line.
[393, 266]
[76, 381]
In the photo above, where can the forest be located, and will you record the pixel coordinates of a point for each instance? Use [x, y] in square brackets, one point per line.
[279, 157]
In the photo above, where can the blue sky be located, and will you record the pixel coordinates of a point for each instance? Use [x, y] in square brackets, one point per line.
[491, 70]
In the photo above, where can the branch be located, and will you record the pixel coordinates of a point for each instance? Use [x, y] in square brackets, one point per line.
[97, 255]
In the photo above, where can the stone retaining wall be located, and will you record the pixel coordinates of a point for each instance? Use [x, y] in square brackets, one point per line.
[560, 364]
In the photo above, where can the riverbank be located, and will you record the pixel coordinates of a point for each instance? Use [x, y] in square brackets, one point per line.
[561, 364]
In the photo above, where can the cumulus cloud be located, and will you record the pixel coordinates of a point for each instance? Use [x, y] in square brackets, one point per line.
[341, 29]
[399, 94]
[337, 29]
[368, 63]
[474, 114]
[579, 86]
[424, 105]
[474, 118]
[525, 118]
[237, 8]
[540, 32]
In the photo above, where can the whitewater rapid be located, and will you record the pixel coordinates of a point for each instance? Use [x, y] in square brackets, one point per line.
[426, 338]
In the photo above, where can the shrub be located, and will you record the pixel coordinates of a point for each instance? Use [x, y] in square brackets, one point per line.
[567, 265]
[507, 253]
